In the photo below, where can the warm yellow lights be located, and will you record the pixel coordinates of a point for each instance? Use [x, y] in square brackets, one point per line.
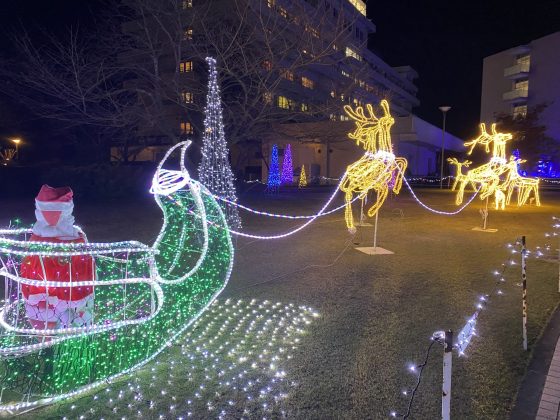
[302, 178]
[497, 177]
[459, 176]
[378, 169]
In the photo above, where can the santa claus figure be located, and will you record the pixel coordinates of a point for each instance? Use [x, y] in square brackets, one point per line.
[57, 307]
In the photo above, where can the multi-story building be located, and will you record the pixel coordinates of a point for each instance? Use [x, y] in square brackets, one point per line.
[296, 61]
[523, 77]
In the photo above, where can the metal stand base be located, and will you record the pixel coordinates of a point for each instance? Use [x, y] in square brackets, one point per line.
[479, 229]
[373, 250]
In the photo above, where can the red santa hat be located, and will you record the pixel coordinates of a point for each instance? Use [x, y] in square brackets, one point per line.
[53, 210]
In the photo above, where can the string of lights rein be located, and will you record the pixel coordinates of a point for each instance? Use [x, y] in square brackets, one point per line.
[322, 212]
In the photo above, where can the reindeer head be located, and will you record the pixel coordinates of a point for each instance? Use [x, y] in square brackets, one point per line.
[372, 132]
[484, 139]
[501, 137]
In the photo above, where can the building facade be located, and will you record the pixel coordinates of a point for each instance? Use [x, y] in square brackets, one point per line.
[521, 78]
[296, 61]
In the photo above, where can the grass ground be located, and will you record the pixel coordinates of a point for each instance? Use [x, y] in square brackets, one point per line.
[376, 313]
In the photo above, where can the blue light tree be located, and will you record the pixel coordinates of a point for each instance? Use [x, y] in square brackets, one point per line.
[274, 170]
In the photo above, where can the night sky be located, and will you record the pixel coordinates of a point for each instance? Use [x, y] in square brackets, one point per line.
[445, 41]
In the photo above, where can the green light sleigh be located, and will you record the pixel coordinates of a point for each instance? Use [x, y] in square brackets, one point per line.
[144, 297]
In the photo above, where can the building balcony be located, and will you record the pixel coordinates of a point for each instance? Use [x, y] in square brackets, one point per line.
[517, 71]
[516, 95]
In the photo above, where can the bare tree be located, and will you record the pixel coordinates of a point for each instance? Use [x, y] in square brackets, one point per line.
[128, 81]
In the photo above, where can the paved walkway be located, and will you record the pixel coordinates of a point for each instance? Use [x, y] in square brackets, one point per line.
[550, 397]
[539, 394]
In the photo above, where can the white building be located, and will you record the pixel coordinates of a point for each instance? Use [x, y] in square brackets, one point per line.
[522, 77]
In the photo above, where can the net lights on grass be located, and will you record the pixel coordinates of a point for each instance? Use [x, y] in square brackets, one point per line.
[378, 169]
[142, 298]
[232, 363]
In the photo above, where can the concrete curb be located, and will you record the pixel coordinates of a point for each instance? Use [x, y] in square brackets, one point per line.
[529, 394]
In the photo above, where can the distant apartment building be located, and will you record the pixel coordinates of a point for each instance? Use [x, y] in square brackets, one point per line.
[522, 77]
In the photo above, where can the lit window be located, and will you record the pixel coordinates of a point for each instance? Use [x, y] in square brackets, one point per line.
[285, 103]
[271, 3]
[187, 4]
[283, 12]
[524, 59]
[308, 83]
[304, 107]
[519, 111]
[360, 5]
[267, 65]
[332, 117]
[345, 73]
[522, 84]
[187, 34]
[267, 98]
[352, 53]
[185, 66]
[311, 30]
[344, 118]
[333, 94]
[187, 97]
[186, 128]
[288, 75]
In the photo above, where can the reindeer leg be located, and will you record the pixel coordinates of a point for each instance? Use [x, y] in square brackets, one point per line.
[461, 192]
[381, 196]
[348, 212]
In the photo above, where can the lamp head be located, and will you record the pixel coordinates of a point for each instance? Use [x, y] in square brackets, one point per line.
[444, 108]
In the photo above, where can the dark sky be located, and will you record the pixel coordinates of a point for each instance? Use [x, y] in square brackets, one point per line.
[445, 41]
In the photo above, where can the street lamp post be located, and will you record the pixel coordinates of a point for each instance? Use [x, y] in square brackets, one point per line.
[444, 110]
[17, 141]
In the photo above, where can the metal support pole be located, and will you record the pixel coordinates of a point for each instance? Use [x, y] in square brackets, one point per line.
[485, 215]
[524, 279]
[447, 369]
[442, 148]
[375, 231]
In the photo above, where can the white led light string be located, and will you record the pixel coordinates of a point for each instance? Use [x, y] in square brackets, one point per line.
[166, 184]
[464, 336]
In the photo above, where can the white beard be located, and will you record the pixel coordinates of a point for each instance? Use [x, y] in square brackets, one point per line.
[63, 229]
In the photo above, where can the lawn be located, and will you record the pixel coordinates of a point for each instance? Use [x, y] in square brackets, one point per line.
[375, 314]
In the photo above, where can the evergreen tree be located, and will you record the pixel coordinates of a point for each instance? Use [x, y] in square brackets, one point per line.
[274, 170]
[214, 171]
[287, 168]
[302, 178]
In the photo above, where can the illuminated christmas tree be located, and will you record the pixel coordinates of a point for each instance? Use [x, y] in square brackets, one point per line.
[214, 171]
[287, 168]
[302, 178]
[274, 170]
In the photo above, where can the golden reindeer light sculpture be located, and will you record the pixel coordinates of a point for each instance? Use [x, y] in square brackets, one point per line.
[378, 169]
[524, 185]
[487, 176]
[459, 175]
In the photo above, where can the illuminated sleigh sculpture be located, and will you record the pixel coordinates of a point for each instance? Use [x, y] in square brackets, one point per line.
[144, 297]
